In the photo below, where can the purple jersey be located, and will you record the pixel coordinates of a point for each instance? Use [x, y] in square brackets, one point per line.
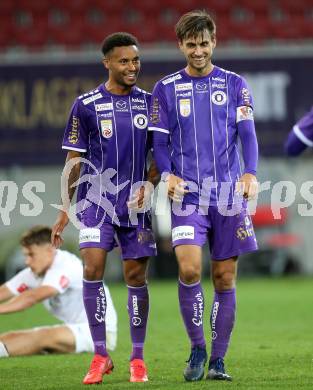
[111, 133]
[303, 129]
[201, 114]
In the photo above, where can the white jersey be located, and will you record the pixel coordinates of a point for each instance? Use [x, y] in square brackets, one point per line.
[65, 275]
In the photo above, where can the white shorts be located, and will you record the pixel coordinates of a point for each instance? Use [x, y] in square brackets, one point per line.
[83, 340]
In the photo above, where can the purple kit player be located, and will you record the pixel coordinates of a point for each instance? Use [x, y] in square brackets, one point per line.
[196, 117]
[108, 127]
[301, 135]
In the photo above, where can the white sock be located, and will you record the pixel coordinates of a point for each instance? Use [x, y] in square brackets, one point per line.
[3, 350]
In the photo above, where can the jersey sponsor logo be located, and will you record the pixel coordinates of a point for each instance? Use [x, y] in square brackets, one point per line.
[171, 79]
[107, 115]
[244, 113]
[155, 111]
[218, 79]
[201, 86]
[139, 108]
[184, 94]
[246, 98]
[183, 87]
[219, 97]
[104, 107]
[92, 99]
[138, 100]
[183, 233]
[64, 281]
[140, 121]
[23, 287]
[184, 107]
[106, 128]
[73, 134]
[221, 86]
[121, 106]
[89, 235]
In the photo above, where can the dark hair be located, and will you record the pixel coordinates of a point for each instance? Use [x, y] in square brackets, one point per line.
[194, 23]
[37, 235]
[117, 40]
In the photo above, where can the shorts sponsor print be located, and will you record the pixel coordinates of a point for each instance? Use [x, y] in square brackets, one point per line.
[228, 236]
[134, 242]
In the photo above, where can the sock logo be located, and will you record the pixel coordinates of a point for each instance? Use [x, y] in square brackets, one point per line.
[135, 320]
[213, 319]
[198, 309]
[101, 305]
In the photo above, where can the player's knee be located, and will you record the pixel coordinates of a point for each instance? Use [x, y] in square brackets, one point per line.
[135, 277]
[92, 272]
[223, 280]
[189, 274]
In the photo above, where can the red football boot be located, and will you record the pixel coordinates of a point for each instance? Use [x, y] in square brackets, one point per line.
[138, 371]
[99, 366]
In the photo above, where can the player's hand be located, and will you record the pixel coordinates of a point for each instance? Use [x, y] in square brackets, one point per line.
[247, 186]
[140, 199]
[57, 229]
[176, 188]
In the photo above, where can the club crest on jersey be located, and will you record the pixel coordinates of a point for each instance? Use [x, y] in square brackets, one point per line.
[140, 121]
[106, 128]
[184, 107]
[219, 97]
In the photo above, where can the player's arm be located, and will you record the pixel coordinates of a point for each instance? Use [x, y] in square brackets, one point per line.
[27, 299]
[75, 141]
[247, 184]
[5, 293]
[159, 126]
[72, 172]
[301, 135]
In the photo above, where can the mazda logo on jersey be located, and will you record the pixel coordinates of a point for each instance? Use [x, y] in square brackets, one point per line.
[201, 86]
[121, 104]
[140, 121]
[219, 97]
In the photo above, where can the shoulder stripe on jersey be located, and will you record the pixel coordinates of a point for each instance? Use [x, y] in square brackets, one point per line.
[76, 149]
[158, 129]
[301, 136]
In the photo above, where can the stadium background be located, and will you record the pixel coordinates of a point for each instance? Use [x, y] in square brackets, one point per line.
[49, 53]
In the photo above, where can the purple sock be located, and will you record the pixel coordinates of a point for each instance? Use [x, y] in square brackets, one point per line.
[138, 310]
[95, 306]
[191, 302]
[222, 321]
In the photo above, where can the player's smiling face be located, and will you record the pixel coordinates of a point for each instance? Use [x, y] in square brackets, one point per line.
[123, 64]
[198, 52]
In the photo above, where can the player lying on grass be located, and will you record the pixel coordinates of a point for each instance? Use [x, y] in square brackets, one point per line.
[53, 277]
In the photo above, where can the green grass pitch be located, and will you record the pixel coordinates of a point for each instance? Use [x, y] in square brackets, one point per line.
[271, 348]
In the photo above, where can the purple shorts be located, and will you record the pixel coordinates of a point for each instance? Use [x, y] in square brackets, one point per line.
[228, 236]
[134, 241]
